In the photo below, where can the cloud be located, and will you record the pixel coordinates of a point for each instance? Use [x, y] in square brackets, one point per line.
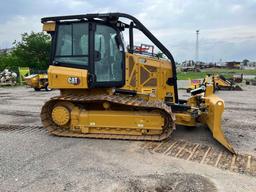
[227, 28]
[16, 26]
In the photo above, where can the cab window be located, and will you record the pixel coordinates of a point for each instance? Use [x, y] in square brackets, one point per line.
[108, 60]
[72, 44]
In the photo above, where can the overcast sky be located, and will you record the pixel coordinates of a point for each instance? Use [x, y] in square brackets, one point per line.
[227, 27]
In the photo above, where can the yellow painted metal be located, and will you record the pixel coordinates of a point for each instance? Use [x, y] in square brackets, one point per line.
[116, 122]
[67, 78]
[185, 119]
[145, 75]
[60, 115]
[148, 76]
[209, 91]
[37, 81]
[23, 72]
[85, 92]
[220, 82]
[213, 116]
[210, 80]
[49, 26]
[32, 80]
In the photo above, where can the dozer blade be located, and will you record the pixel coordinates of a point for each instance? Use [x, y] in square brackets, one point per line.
[213, 119]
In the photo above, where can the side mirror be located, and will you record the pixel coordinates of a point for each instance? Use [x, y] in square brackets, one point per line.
[118, 40]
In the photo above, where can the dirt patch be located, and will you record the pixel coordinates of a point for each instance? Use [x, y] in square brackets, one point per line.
[167, 183]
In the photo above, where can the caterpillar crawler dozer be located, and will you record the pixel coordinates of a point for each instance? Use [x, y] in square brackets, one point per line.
[38, 81]
[219, 82]
[111, 91]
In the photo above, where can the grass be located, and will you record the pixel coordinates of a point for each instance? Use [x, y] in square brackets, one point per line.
[226, 72]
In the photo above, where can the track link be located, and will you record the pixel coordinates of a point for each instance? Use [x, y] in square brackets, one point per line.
[116, 99]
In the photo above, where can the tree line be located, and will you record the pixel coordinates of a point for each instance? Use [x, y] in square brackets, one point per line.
[32, 51]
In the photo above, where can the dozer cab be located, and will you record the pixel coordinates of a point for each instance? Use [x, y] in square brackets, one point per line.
[111, 91]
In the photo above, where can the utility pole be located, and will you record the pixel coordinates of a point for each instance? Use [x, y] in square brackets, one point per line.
[197, 47]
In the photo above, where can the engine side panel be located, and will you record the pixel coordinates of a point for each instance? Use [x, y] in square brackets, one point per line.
[67, 78]
[148, 76]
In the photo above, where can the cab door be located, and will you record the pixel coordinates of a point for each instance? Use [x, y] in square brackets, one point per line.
[108, 68]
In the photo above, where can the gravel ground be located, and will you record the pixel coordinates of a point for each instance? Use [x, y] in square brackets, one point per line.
[239, 120]
[36, 161]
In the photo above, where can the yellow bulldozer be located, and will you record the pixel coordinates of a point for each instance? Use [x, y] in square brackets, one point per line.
[219, 82]
[222, 83]
[111, 91]
[37, 81]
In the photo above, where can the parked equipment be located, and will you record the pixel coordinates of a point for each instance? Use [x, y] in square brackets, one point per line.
[8, 78]
[219, 82]
[251, 82]
[106, 92]
[23, 72]
[37, 81]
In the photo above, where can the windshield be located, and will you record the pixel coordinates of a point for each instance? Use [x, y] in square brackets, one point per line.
[72, 44]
